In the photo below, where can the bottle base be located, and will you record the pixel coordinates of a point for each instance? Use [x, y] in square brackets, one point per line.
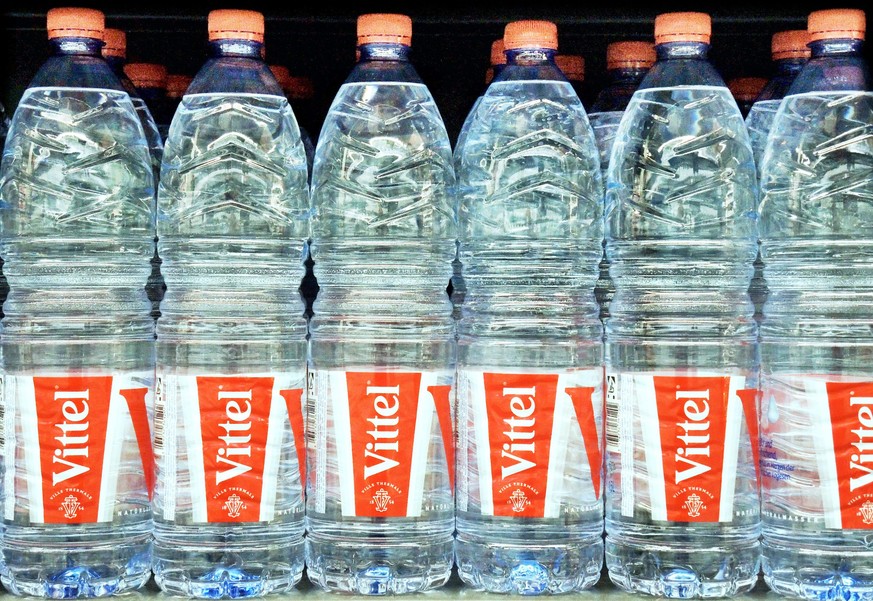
[228, 572]
[676, 573]
[88, 573]
[529, 568]
[820, 574]
[354, 566]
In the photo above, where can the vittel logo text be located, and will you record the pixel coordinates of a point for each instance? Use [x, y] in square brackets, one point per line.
[237, 437]
[72, 454]
[519, 454]
[693, 453]
[381, 452]
[861, 461]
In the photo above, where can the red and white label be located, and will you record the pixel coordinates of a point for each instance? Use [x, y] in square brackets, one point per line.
[74, 430]
[233, 428]
[528, 430]
[841, 419]
[384, 424]
[690, 458]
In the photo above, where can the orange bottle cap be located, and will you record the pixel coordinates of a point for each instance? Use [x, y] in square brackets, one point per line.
[792, 43]
[530, 34]
[498, 56]
[385, 28]
[72, 22]
[300, 88]
[232, 24]
[146, 75]
[281, 74]
[836, 23]
[630, 54]
[177, 84]
[746, 88]
[571, 65]
[115, 43]
[683, 27]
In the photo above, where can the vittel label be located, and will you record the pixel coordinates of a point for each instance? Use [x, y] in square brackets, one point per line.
[74, 430]
[383, 426]
[851, 407]
[234, 428]
[525, 426]
[688, 428]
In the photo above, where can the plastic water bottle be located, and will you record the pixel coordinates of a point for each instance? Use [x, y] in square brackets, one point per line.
[380, 505]
[177, 83]
[790, 51]
[150, 79]
[627, 62]
[457, 286]
[745, 90]
[292, 89]
[573, 68]
[816, 343]
[231, 348]
[78, 228]
[115, 53]
[530, 377]
[682, 503]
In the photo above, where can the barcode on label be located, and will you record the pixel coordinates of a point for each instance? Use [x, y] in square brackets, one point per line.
[612, 415]
[159, 416]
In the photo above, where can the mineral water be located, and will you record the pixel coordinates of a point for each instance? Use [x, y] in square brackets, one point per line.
[380, 505]
[77, 339]
[231, 339]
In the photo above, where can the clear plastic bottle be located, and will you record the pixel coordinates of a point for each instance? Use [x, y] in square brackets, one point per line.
[115, 53]
[573, 68]
[790, 51]
[457, 286]
[816, 342]
[627, 62]
[150, 83]
[294, 88]
[231, 340]
[78, 228]
[745, 90]
[177, 83]
[682, 503]
[380, 505]
[530, 350]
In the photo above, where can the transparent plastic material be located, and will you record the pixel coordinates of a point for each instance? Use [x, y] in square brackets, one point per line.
[231, 339]
[605, 116]
[78, 222]
[155, 286]
[529, 504]
[816, 345]
[380, 506]
[682, 514]
[758, 123]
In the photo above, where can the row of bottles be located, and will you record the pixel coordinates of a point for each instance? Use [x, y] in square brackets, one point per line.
[221, 438]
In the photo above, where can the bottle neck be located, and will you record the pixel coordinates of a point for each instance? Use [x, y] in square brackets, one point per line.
[841, 47]
[789, 66]
[236, 48]
[682, 50]
[76, 47]
[530, 56]
[383, 51]
[626, 75]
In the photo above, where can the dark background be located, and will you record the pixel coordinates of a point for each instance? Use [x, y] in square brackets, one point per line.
[450, 44]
